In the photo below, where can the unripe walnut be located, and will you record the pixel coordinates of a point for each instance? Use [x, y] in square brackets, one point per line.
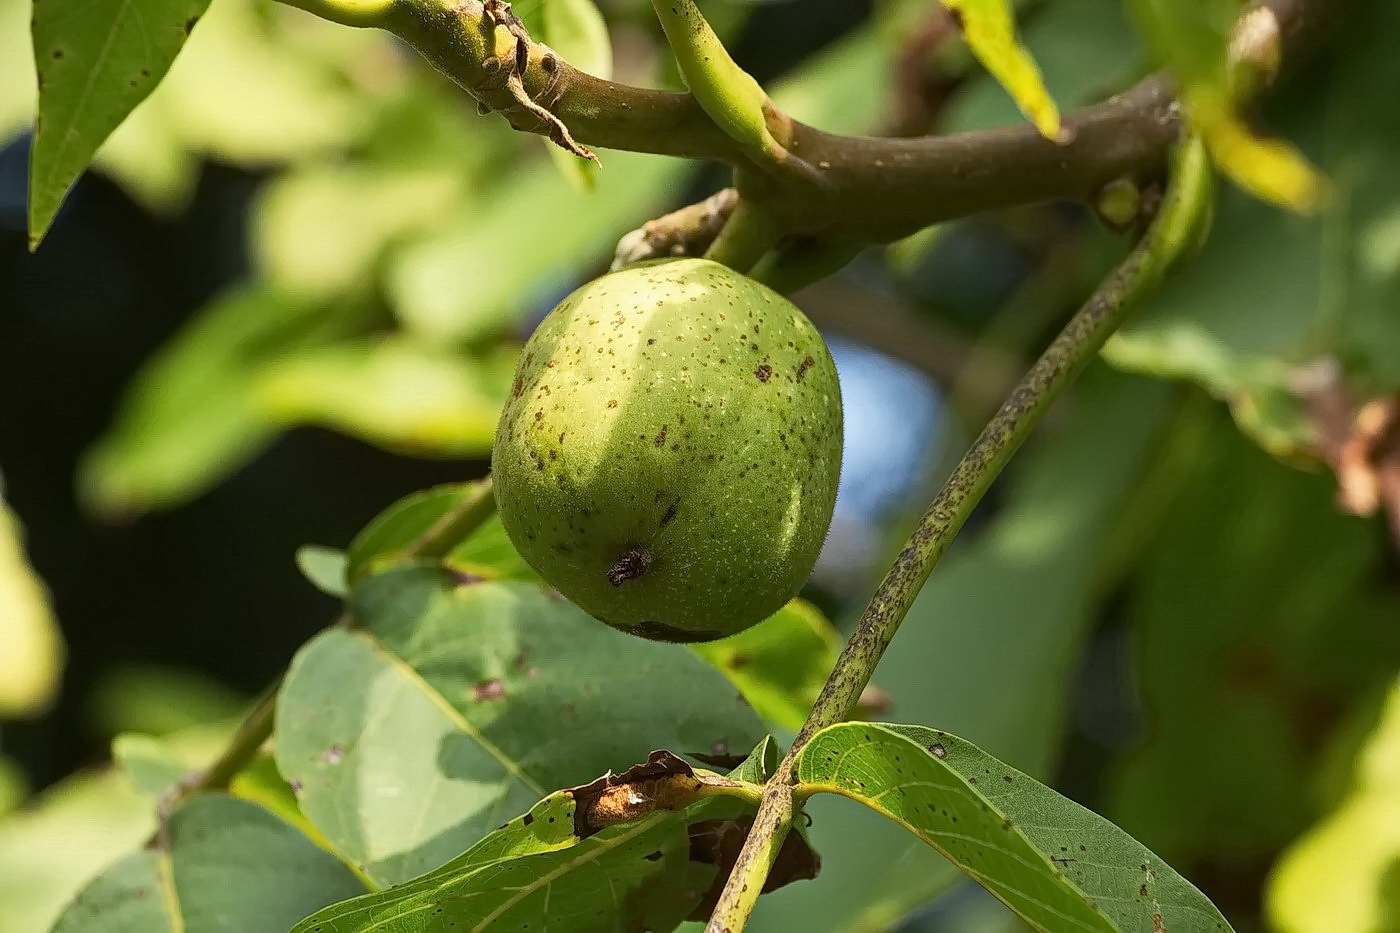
[669, 456]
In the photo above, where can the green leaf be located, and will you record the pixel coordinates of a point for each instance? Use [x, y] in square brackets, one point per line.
[1361, 231]
[629, 877]
[254, 88]
[1340, 877]
[325, 568]
[1272, 293]
[1085, 50]
[577, 31]
[476, 278]
[18, 90]
[395, 393]
[160, 701]
[1238, 319]
[149, 160]
[1059, 866]
[31, 648]
[456, 705]
[844, 88]
[191, 416]
[61, 840]
[14, 787]
[536, 873]
[95, 64]
[990, 32]
[781, 663]
[487, 552]
[1193, 40]
[148, 762]
[231, 866]
[153, 764]
[131, 895]
[322, 230]
[142, 155]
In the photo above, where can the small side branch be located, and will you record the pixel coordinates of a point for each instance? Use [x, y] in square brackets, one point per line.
[247, 740]
[688, 231]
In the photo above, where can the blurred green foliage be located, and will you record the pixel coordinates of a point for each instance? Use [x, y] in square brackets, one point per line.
[31, 647]
[401, 244]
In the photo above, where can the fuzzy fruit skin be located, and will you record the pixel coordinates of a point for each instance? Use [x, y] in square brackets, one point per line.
[669, 456]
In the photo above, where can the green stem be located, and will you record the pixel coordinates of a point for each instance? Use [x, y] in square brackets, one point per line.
[1172, 233]
[360, 13]
[790, 269]
[726, 92]
[748, 234]
[455, 525]
[255, 729]
[771, 825]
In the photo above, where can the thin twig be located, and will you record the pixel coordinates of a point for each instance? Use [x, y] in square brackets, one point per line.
[242, 748]
[1169, 236]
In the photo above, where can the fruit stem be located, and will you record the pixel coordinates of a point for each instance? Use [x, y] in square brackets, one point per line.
[745, 238]
[1173, 232]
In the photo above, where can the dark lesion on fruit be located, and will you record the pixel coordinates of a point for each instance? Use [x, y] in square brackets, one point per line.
[660, 631]
[634, 562]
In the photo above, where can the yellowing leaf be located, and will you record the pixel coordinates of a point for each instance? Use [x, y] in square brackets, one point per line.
[1193, 41]
[1270, 169]
[31, 650]
[1340, 877]
[991, 34]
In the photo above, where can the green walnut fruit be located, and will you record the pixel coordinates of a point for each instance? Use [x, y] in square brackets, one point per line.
[669, 455]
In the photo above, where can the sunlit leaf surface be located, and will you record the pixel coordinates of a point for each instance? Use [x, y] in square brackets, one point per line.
[1059, 866]
[96, 62]
[990, 31]
[454, 706]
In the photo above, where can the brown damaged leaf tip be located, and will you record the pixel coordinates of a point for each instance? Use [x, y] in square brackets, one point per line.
[664, 782]
[1359, 440]
[717, 843]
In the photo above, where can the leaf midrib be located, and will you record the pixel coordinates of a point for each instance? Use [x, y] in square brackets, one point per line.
[450, 712]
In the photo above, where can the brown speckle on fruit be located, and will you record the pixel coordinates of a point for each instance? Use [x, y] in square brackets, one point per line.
[720, 532]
